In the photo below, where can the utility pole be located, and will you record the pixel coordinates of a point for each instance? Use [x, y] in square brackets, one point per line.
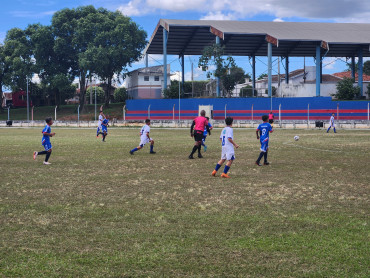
[304, 69]
[278, 75]
[192, 79]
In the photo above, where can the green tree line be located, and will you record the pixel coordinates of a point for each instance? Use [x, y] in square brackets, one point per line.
[79, 43]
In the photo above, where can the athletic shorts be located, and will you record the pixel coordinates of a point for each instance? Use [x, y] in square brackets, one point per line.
[271, 121]
[198, 135]
[47, 146]
[104, 128]
[204, 138]
[227, 154]
[264, 146]
[145, 141]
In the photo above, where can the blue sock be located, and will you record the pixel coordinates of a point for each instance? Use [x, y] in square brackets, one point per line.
[226, 169]
[97, 132]
[218, 166]
[334, 130]
[328, 129]
[151, 148]
[134, 150]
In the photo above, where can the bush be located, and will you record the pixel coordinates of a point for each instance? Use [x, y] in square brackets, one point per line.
[346, 90]
[120, 95]
[274, 91]
[99, 95]
[247, 91]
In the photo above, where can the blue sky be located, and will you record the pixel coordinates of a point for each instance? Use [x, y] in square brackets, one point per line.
[20, 13]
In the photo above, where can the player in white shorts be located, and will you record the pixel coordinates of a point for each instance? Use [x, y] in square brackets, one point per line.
[145, 138]
[101, 118]
[331, 123]
[228, 144]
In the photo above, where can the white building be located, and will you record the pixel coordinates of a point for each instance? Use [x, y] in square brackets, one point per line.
[146, 83]
[302, 83]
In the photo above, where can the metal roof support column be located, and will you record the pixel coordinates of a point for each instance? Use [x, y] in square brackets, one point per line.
[217, 78]
[353, 68]
[360, 71]
[318, 62]
[182, 72]
[320, 70]
[269, 67]
[253, 74]
[287, 69]
[165, 33]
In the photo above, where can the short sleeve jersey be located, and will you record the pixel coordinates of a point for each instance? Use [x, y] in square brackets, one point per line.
[144, 130]
[205, 129]
[105, 121]
[46, 138]
[264, 130]
[100, 119]
[200, 123]
[331, 120]
[227, 133]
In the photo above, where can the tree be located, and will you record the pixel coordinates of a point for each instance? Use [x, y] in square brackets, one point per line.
[173, 90]
[4, 69]
[262, 76]
[346, 89]
[114, 43]
[120, 95]
[236, 76]
[247, 91]
[366, 67]
[213, 57]
[19, 60]
[53, 71]
[99, 94]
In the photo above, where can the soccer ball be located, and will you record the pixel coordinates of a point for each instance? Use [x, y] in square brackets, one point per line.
[296, 137]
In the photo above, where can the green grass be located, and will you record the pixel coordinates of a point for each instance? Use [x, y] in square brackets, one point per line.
[99, 212]
[64, 113]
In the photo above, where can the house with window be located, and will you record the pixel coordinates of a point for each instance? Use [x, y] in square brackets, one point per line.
[145, 83]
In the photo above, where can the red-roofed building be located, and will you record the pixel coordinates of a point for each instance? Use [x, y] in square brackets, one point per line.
[347, 74]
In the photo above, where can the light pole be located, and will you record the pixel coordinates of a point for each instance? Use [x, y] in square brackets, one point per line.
[95, 98]
[28, 104]
[179, 94]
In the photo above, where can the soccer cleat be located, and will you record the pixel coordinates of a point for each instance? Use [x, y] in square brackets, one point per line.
[46, 163]
[266, 163]
[132, 153]
[200, 156]
[258, 164]
[205, 148]
[223, 175]
[214, 173]
[191, 157]
[35, 155]
[152, 152]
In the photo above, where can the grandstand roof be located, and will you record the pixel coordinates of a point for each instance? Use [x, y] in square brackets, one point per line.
[247, 38]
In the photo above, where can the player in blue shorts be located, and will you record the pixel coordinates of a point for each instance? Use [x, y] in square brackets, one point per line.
[331, 123]
[46, 134]
[263, 134]
[205, 133]
[104, 128]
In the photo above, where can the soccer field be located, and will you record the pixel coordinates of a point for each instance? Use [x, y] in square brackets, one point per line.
[97, 211]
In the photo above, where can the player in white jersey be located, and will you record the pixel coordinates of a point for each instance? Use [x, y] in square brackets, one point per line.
[145, 138]
[100, 121]
[228, 144]
[331, 123]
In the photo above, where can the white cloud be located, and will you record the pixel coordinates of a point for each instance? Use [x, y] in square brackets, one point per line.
[278, 19]
[342, 11]
[218, 16]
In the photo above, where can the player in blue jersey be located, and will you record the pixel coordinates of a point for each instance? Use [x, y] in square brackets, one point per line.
[331, 123]
[228, 144]
[205, 133]
[104, 128]
[145, 138]
[263, 134]
[46, 134]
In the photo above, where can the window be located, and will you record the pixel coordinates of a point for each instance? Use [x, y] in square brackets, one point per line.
[146, 78]
[156, 78]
